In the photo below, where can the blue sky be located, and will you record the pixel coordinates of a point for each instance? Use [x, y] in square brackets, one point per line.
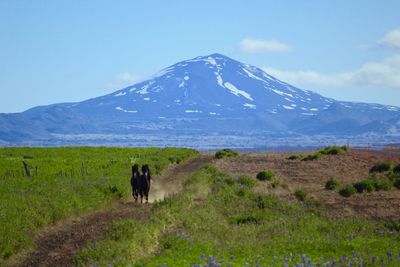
[65, 51]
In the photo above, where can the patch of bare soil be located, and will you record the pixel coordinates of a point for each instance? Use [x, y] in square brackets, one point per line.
[57, 244]
[311, 176]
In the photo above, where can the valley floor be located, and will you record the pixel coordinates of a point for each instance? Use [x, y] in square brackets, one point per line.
[214, 212]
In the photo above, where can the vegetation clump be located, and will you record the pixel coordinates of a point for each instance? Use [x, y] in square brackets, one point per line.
[396, 169]
[333, 150]
[332, 184]
[300, 195]
[243, 219]
[294, 157]
[226, 153]
[312, 157]
[373, 183]
[347, 191]
[365, 185]
[247, 181]
[397, 183]
[383, 166]
[383, 184]
[330, 150]
[266, 176]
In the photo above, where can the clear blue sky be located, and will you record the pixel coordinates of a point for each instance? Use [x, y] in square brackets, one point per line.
[65, 51]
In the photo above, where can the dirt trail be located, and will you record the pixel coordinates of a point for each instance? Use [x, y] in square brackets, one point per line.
[57, 244]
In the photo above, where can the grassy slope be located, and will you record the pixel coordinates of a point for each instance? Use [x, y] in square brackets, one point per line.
[68, 181]
[217, 219]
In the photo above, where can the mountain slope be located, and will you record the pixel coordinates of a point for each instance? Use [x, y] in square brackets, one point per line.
[211, 94]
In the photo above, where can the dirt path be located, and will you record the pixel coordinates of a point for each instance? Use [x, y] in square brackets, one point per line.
[57, 244]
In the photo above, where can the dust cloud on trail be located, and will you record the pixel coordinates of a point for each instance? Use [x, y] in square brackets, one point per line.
[158, 191]
[171, 181]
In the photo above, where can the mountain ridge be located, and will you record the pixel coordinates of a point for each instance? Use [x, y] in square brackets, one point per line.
[211, 94]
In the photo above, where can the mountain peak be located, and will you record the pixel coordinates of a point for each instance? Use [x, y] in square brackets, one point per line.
[215, 57]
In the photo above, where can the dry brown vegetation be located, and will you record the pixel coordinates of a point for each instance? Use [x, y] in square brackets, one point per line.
[310, 176]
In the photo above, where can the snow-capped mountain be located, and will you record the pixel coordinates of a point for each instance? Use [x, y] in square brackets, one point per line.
[211, 94]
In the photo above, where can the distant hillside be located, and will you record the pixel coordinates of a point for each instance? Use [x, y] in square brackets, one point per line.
[206, 96]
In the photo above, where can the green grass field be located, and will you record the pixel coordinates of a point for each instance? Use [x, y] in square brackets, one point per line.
[65, 182]
[218, 220]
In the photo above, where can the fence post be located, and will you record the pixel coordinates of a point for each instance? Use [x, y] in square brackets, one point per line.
[26, 167]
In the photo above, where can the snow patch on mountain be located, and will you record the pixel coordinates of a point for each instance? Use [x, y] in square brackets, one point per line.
[236, 91]
[125, 110]
[281, 93]
[145, 89]
[120, 94]
[251, 106]
[287, 107]
[251, 75]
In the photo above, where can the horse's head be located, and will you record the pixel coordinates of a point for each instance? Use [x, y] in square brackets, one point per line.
[146, 171]
[135, 169]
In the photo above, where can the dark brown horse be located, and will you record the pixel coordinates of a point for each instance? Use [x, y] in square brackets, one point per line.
[135, 182]
[144, 183]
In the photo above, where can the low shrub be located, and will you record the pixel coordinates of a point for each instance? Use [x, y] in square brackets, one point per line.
[312, 157]
[383, 166]
[275, 183]
[393, 226]
[293, 157]
[115, 191]
[300, 195]
[244, 219]
[247, 181]
[383, 185]
[365, 185]
[330, 150]
[266, 176]
[397, 183]
[333, 150]
[397, 169]
[226, 153]
[332, 184]
[347, 191]
[392, 176]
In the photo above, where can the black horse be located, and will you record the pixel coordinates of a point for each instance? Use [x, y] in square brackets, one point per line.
[144, 183]
[135, 182]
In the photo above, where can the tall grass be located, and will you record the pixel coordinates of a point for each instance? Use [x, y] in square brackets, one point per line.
[64, 182]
